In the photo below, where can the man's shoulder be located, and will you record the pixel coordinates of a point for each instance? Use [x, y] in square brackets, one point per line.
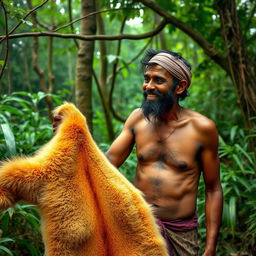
[135, 117]
[202, 123]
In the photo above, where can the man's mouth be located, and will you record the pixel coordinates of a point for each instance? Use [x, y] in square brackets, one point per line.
[151, 95]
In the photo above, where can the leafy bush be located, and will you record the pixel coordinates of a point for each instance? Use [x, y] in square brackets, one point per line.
[239, 186]
[25, 126]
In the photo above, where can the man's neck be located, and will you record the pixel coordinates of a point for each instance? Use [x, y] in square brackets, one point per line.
[172, 115]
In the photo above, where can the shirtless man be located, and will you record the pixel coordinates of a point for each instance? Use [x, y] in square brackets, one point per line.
[173, 145]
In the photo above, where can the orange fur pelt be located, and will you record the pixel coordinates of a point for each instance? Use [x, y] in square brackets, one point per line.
[87, 207]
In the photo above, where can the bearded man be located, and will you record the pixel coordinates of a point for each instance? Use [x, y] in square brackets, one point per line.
[174, 146]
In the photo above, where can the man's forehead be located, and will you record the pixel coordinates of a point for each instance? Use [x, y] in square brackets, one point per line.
[157, 70]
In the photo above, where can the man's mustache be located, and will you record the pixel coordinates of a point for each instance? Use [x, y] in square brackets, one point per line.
[152, 92]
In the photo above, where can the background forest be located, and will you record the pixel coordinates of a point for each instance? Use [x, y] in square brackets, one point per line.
[88, 52]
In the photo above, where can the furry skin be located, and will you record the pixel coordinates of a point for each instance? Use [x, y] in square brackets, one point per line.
[87, 207]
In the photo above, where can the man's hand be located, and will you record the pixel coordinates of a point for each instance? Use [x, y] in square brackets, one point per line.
[57, 119]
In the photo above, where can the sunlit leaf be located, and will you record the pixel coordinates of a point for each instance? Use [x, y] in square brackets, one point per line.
[6, 250]
[232, 214]
[9, 139]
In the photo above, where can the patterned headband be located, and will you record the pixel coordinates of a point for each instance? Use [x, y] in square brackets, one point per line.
[176, 67]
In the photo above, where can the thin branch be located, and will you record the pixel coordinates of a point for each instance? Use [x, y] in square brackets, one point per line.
[34, 17]
[51, 77]
[45, 26]
[206, 46]
[103, 54]
[35, 21]
[133, 59]
[7, 41]
[70, 19]
[90, 14]
[19, 23]
[114, 73]
[98, 87]
[91, 37]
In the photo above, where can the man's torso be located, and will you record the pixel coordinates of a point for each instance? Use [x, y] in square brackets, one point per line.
[168, 168]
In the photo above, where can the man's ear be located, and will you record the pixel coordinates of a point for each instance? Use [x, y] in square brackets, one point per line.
[181, 87]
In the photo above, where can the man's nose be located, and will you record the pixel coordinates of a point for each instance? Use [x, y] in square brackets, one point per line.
[150, 85]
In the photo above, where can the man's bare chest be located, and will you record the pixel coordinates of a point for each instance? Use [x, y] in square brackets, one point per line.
[178, 148]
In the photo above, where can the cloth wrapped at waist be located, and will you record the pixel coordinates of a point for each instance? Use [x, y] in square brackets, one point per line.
[178, 225]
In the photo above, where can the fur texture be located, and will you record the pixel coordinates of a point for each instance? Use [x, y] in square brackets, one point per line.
[87, 207]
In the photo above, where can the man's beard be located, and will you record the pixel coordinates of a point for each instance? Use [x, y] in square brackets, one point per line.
[154, 109]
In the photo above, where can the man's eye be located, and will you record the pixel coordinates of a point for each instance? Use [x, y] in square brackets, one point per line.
[159, 80]
[146, 79]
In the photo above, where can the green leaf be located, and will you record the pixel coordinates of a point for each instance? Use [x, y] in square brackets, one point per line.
[5, 219]
[29, 23]
[244, 153]
[232, 213]
[24, 103]
[9, 139]
[31, 249]
[233, 132]
[3, 248]
[111, 58]
[11, 110]
[125, 72]
[244, 182]
[238, 161]
[3, 118]
[6, 239]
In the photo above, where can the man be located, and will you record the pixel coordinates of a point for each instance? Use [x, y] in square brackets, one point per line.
[173, 145]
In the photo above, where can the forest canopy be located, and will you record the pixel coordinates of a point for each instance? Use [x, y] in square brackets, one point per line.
[89, 51]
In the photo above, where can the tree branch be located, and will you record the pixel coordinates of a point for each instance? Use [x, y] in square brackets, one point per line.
[7, 41]
[133, 59]
[114, 73]
[19, 23]
[35, 21]
[34, 17]
[206, 46]
[71, 24]
[91, 37]
[103, 55]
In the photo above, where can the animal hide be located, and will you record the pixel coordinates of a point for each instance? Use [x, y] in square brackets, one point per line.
[87, 207]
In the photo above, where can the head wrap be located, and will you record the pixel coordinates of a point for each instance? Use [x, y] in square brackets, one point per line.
[175, 66]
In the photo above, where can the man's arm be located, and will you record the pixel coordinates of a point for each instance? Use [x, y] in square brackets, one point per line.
[123, 144]
[214, 195]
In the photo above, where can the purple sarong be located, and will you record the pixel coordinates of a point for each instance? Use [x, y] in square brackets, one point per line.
[179, 225]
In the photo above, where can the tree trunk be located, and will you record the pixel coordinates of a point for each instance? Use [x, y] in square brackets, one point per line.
[51, 78]
[40, 72]
[163, 43]
[102, 81]
[85, 62]
[240, 66]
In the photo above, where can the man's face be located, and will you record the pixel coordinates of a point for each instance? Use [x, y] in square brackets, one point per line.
[159, 92]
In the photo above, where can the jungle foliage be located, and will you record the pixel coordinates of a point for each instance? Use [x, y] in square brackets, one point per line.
[38, 73]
